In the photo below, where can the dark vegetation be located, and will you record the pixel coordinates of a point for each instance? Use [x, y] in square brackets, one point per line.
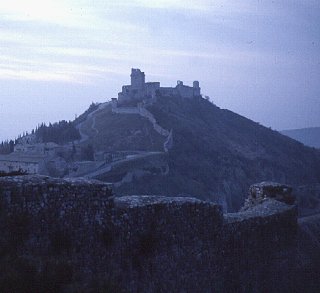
[6, 147]
[60, 132]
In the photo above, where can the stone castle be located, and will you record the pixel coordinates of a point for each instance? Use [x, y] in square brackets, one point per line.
[139, 89]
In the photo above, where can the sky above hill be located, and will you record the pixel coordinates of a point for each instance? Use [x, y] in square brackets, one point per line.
[259, 58]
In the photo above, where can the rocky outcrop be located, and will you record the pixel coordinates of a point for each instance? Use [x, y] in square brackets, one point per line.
[260, 192]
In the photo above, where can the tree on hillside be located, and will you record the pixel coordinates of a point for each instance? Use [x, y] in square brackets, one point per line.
[61, 132]
[6, 147]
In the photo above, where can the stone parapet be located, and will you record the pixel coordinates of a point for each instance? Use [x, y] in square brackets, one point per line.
[145, 243]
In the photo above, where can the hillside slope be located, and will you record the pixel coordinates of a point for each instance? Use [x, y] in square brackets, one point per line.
[308, 136]
[107, 131]
[216, 154]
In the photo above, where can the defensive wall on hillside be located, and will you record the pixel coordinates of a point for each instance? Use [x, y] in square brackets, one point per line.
[147, 243]
[142, 111]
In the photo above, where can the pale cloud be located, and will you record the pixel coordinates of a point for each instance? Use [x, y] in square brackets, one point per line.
[8, 37]
[52, 11]
[218, 8]
[68, 13]
[35, 75]
[35, 69]
[176, 4]
[200, 5]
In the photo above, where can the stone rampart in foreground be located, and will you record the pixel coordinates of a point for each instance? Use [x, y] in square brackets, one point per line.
[84, 237]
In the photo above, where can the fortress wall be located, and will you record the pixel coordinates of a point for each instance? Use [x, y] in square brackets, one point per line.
[146, 243]
[151, 88]
[185, 91]
[11, 166]
[32, 193]
[126, 110]
[145, 113]
[160, 130]
[168, 91]
[139, 89]
[258, 247]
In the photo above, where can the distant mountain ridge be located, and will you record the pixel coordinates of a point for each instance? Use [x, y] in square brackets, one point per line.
[308, 136]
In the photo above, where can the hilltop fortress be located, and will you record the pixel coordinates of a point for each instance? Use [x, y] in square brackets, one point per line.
[37, 158]
[139, 89]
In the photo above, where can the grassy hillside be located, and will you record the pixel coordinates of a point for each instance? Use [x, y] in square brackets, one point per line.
[217, 154]
[109, 131]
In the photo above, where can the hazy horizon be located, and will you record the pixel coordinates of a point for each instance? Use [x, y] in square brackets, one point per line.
[259, 59]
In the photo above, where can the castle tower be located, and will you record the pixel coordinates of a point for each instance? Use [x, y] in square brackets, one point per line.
[114, 103]
[137, 79]
[196, 88]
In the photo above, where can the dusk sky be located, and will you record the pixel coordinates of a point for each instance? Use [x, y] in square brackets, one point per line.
[257, 58]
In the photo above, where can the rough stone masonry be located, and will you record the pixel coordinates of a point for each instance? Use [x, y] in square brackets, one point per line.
[146, 243]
